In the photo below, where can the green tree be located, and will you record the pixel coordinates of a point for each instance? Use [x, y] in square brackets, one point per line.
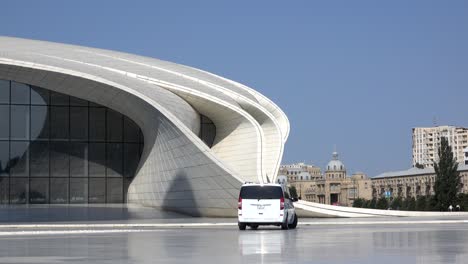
[419, 166]
[421, 203]
[373, 203]
[431, 204]
[366, 203]
[382, 203]
[463, 201]
[447, 183]
[396, 203]
[293, 192]
[404, 204]
[411, 204]
[359, 202]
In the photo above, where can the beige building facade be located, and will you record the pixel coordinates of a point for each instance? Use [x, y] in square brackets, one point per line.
[426, 141]
[412, 183]
[333, 187]
[300, 175]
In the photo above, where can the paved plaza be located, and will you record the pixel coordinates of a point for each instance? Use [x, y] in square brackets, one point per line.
[126, 234]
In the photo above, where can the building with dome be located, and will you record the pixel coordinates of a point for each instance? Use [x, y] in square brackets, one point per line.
[334, 187]
[84, 125]
[335, 168]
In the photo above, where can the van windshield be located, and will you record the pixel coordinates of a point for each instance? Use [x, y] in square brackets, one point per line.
[261, 192]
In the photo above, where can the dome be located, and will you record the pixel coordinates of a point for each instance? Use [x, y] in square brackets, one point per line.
[335, 164]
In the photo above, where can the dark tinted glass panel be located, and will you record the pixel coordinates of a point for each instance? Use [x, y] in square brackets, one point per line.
[131, 131]
[79, 123]
[4, 190]
[19, 93]
[97, 159]
[141, 138]
[97, 124]
[59, 126]
[19, 159]
[4, 122]
[131, 159]
[4, 92]
[39, 155]
[207, 130]
[261, 192]
[78, 190]
[97, 190]
[39, 190]
[114, 126]
[19, 128]
[50, 143]
[114, 160]
[91, 104]
[78, 159]
[59, 190]
[4, 158]
[59, 159]
[39, 122]
[114, 191]
[39, 96]
[59, 99]
[18, 190]
[78, 102]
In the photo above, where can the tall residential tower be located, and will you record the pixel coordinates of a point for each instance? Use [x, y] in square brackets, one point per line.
[426, 141]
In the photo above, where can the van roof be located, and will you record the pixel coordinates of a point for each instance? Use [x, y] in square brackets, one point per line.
[260, 184]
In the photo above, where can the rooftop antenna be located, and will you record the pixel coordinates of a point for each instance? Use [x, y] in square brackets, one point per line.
[434, 120]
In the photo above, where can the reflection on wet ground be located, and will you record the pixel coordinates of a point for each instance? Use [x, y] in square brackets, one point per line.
[372, 243]
[365, 244]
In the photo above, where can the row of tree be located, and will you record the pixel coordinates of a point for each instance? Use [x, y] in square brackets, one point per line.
[422, 203]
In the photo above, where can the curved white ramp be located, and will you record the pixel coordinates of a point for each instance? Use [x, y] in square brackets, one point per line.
[309, 209]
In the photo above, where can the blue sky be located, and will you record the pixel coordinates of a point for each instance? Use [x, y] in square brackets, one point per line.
[355, 74]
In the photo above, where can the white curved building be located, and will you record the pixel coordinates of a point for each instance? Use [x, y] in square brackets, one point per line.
[85, 125]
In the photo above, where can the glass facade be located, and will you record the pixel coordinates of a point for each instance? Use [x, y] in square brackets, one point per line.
[207, 130]
[56, 148]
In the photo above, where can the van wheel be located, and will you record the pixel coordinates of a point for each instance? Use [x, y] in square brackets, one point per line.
[254, 227]
[294, 223]
[241, 226]
[285, 225]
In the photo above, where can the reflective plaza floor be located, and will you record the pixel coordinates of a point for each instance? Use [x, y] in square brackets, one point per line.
[326, 241]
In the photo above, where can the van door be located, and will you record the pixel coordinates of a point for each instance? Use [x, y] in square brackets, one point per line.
[261, 203]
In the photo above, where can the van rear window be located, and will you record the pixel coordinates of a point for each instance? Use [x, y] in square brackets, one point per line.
[261, 192]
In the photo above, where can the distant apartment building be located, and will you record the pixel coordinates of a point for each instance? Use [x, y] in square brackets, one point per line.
[465, 151]
[300, 171]
[413, 182]
[426, 141]
[300, 175]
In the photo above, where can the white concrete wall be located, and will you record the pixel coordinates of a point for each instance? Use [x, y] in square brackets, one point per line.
[309, 209]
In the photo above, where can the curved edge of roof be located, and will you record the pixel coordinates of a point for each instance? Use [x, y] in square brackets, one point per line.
[254, 98]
